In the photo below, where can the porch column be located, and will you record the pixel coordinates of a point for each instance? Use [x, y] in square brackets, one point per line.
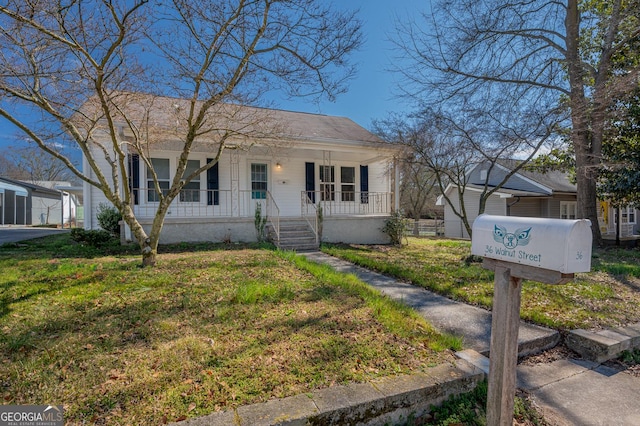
[62, 211]
[395, 195]
[86, 196]
[235, 183]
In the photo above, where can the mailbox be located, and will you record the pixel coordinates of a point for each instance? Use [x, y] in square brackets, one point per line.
[561, 245]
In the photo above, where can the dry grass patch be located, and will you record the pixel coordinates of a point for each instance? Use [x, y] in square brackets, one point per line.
[203, 331]
[609, 296]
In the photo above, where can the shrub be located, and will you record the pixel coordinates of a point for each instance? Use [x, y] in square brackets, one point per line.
[394, 227]
[260, 223]
[93, 238]
[109, 219]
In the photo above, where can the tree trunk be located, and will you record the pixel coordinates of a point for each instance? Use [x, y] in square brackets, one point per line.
[149, 253]
[581, 132]
[587, 207]
[148, 243]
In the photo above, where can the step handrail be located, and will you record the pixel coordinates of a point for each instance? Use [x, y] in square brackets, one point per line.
[306, 207]
[273, 215]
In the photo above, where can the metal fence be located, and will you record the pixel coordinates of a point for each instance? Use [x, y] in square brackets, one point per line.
[424, 227]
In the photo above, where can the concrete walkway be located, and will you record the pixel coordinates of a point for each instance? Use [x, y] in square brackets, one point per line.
[569, 391]
[471, 323]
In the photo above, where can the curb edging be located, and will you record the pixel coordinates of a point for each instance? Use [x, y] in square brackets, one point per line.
[603, 345]
[386, 400]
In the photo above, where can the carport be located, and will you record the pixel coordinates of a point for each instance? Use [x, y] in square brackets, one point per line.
[13, 204]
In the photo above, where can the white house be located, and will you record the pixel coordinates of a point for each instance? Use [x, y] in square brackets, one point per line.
[290, 163]
[529, 194]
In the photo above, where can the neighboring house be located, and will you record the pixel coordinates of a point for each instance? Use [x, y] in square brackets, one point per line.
[72, 211]
[309, 161]
[24, 203]
[528, 194]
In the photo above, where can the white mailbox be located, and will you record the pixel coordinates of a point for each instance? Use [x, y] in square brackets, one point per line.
[561, 245]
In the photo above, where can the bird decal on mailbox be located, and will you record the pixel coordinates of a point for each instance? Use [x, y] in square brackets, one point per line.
[511, 240]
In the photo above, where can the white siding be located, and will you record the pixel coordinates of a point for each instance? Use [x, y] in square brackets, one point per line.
[528, 207]
[454, 228]
[96, 195]
[286, 184]
[50, 208]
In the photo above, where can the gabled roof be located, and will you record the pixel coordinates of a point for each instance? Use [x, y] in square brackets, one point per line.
[523, 183]
[556, 180]
[167, 116]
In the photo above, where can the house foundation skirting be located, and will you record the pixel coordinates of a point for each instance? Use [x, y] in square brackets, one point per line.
[337, 229]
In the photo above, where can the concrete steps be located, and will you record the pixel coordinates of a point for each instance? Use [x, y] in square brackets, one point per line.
[295, 235]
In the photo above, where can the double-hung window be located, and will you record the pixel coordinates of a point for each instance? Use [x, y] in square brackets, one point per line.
[628, 214]
[190, 192]
[568, 209]
[348, 183]
[258, 181]
[327, 183]
[163, 172]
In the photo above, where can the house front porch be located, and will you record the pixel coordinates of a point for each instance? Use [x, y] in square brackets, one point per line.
[618, 223]
[228, 215]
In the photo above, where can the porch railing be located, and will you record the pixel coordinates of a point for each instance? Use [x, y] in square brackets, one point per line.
[336, 203]
[197, 203]
[310, 213]
[273, 215]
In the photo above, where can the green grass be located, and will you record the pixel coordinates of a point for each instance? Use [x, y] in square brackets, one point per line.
[211, 327]
[469, 409]
[608, 296]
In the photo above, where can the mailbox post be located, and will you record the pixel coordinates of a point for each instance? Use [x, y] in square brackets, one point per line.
[517, 248]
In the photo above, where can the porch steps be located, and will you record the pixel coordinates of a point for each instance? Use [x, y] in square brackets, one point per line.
[295, 235]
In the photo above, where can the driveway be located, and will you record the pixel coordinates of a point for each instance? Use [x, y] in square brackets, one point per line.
[12, 234]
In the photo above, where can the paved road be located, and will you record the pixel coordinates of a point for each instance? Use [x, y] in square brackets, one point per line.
[12, 234]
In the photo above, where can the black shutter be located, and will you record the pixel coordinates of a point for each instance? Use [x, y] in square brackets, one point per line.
[310, 181]
[213, 185]
[134, 176]
[364, 184]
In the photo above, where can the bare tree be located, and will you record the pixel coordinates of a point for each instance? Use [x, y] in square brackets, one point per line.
[32, 164]
[418, 188]
[78, 66]
[449, 145]
[562, 49]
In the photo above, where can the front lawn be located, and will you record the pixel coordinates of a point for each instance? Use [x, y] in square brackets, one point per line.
[608, 296]
[205, 330]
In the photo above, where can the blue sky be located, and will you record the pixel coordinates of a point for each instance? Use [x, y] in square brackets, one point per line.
[371, 92]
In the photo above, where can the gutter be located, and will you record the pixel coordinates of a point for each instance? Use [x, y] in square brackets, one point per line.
[512, 204]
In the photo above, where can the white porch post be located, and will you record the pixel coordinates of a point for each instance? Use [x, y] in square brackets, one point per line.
[87, 196]
[396, 185]
[62, 210]
[235, 183]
